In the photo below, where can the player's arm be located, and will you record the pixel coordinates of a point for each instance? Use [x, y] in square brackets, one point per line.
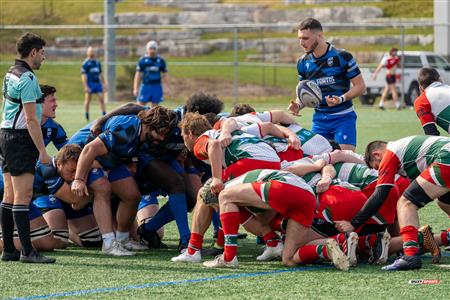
[215, 154]
[137, 82]
[84, 81]
[90, 152]
[35, 131]
[377, 70]
[281, 117]
[426, 117]
[328, 173]
[129, 108]
[346, 156]
[65, 194]
[228, 126]
[306, 167]
[60, 137]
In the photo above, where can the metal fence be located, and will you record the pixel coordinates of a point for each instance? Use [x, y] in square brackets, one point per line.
[268, 50]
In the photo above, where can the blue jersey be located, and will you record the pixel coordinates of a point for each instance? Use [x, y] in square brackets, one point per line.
[92, 68]
[47, 181]
[332, 72]
[53, 132]
[121, 136]
[151, 69]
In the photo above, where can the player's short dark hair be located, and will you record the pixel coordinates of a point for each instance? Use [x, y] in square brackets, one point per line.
[371, 147]
[204, 103]
[310, 23]
[195, 123]
[28, 42]
[334, 145]
[47, 90]
[393, 49]
[158, 118]
[68, 152]
[241, 109]
[427, 76]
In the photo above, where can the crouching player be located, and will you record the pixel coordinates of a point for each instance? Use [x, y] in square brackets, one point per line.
[263, 189]
[61, 209]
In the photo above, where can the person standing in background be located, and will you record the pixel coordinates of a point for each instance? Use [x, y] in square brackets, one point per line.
[151, 69]
[391, 63]
[93, 81]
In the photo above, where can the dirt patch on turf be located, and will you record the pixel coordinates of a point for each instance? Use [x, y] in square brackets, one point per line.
[182, 88]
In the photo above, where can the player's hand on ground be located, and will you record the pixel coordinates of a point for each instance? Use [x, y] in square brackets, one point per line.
[44, 157]
[294, 108]
[333, 100]
[344, 226]
[324, 184]
[79, 188]
[216, 185]
[294, 142]
[225, 139]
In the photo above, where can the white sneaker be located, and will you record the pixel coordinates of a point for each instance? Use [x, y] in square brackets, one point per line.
[219, 262]
[116, 249]
[186, 257]
[340, 261]
[271, 252]
[352, 244]
[132, 245]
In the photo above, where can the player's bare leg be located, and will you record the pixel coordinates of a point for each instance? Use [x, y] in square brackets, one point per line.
[101, 103]
[86, 103]
[84, 231]
[56, 220]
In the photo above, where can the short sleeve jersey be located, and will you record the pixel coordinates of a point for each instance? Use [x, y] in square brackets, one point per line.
[356, 174]
[20, 86]
[332, 72]
[53, 132]
[92, 68]
[243, 145]
[410, 156]
[433, 106]
[151, 69]
[47, 181]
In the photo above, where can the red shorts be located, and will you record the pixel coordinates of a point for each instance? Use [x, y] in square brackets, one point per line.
[288, 200]
[339, 203]
[402, 184]
[245, 165]
[290, 154]
[388, 211]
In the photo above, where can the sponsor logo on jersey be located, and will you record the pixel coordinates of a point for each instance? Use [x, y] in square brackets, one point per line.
[49, 132]
[330, 61]
[325, 80]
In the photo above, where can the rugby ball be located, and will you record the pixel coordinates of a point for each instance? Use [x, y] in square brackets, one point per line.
[308, 93]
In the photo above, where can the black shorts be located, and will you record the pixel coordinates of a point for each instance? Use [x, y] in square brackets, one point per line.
[18, 154]
[324, 228]
[390, 79]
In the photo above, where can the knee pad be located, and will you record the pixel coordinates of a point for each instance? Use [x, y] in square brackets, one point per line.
[416, 195]
[61, 234]
[91, 237]
[37, 233]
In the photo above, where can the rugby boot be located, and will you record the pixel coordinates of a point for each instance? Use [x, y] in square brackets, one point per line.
[36, 258]
[429, 244]
[11, 256]
[212, 251]
[271, 252]
[150, 238]
[337, 257]
[379, 253]
[186, 257]
[219, 262]
[404, 263]
[133, 245]
[116, 249]
[351, 244]
[182, 247]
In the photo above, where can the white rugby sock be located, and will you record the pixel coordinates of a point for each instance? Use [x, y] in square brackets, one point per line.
[122, 236]
[108, 239]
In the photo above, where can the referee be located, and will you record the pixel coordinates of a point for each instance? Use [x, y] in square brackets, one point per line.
[21, 144]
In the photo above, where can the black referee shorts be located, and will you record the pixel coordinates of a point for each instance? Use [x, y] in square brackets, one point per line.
[18, 154]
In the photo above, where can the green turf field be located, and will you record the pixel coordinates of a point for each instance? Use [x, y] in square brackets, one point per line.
[87, 274]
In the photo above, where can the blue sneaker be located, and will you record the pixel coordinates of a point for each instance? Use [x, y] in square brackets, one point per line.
[404, 263]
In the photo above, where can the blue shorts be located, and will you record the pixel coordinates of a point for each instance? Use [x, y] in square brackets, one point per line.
[149, 199]
[150, 93]
[34, 212]
[95, 174]
[49, 202]
[341, 128]
[118, 173]
[95, 88]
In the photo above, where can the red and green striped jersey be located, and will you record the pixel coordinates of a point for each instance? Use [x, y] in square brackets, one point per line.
[433, 106]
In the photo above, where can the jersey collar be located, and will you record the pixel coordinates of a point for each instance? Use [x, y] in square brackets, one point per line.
[326, 52]
[22, 63]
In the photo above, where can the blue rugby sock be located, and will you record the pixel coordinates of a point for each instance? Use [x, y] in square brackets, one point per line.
[177, 203]
[162, 217]
[216, 220]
